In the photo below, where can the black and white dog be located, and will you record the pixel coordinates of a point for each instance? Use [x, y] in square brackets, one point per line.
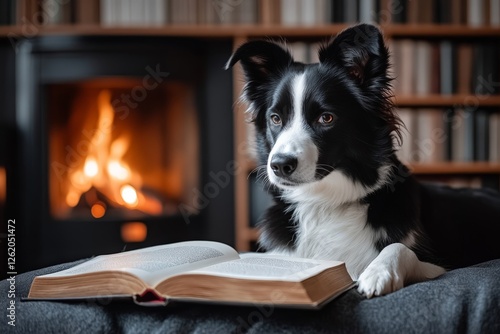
[326, 135]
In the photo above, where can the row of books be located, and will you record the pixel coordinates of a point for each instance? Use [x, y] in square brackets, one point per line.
[457, 135]
[129, 12]
[469, 12]
[285, 12]
[422, 67]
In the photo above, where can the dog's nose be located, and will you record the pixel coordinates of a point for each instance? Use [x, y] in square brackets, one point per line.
[283, 165]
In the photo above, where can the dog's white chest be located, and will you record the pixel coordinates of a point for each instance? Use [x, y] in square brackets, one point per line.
[339, 233]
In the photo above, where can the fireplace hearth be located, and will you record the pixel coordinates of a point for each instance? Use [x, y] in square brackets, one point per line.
[117, 136]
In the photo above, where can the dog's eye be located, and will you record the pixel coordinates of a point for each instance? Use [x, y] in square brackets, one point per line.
[275, 119]
[326, 118]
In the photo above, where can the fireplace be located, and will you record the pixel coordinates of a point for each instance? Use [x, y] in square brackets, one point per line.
[113, 158]
[119, 139]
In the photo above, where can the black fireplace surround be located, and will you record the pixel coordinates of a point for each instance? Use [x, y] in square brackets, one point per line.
[31, 65]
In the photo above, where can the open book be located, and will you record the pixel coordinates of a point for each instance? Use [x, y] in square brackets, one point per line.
[198, 271]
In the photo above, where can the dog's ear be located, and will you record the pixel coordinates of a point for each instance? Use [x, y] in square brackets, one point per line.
[261, 61]
[360, 50]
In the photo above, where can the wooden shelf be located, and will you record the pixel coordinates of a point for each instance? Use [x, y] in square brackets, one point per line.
[456, 168]
[255, 30]
[438, 100]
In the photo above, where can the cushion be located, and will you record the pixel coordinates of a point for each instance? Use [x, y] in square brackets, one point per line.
[466, 299]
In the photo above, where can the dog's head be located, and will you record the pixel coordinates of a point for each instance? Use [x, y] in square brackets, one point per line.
[327, 121]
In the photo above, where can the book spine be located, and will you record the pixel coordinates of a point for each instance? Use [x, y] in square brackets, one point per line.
[495, 12]
[299, 51]
[138, 12]
[458, 136]
[321, 12]
[446, 68]
[55, 12]
[475, 16]
[423, 67]
[425, 12]
[469, 121]
[111, 12]
[313, 52]
[246, 12]
[481, 148]
[457, 11]
[290, 12]
[494, 137]
[149, 13]
[406, 151]
[464, 71]
[87, 11]
[350, 11]
[307, 12]
[367, 11]
[6, 12]
[405, 77]
[124, 16]
[443, 11]
[384, 12]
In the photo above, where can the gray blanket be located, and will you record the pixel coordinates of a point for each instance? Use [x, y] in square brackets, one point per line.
[462, 300]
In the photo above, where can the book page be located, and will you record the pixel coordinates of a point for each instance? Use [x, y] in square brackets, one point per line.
[154, 264]
[261, 266]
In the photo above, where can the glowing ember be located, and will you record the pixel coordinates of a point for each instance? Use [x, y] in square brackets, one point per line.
[91, 168]
[118, 171]
[134, 232]
[98, 210]
[129, 194]
[72, 199]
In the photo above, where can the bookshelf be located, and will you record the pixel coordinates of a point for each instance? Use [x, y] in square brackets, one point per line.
[468, 22]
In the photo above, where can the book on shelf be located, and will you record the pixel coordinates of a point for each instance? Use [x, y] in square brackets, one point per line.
[198, 271]
[269, 11]
[136, 13]
[367, 11]
[495, 13]
[494, 137]
[87, 11]
[8, 12]
[218, 12]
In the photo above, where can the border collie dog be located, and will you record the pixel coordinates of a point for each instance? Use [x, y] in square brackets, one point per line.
[326, 135]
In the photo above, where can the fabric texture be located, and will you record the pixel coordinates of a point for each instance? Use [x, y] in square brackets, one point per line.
[465, 300]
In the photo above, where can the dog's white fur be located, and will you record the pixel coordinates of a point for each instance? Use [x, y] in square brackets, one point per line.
[331, 222]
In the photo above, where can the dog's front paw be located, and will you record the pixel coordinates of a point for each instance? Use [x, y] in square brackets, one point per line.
[379, 280]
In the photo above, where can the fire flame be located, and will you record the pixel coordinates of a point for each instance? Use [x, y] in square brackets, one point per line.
[106, 171]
